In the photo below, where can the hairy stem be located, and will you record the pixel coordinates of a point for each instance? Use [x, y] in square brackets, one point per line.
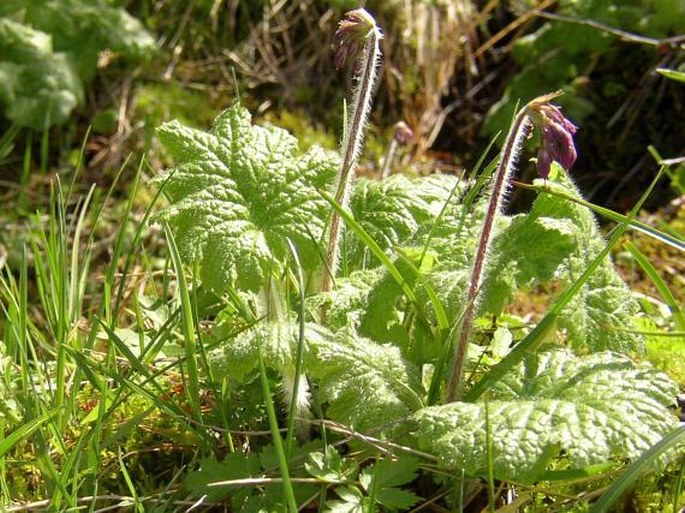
[351, 146]
[517, 133]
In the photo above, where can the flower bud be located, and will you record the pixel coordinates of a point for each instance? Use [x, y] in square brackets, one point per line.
[350, 38]
[557, 137]
[403, 134]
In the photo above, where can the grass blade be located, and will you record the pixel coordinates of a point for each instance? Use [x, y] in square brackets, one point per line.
[276, 437]
[188, 328]
[25, 431]
[666, 295]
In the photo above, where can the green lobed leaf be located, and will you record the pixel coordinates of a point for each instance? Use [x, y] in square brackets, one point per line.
[556, 240]
[367, 385]
[443, 232]
[390, 211]
[451, 236]
[345, 304]
[592, 410]
[330, 467]
[238, 193]
[389, 473]
[352, 501]
[381, 480]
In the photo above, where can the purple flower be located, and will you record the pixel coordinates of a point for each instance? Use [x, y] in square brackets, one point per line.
[557, 137]
[350, 38]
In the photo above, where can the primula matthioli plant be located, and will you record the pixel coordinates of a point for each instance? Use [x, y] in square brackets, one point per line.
[424, 264]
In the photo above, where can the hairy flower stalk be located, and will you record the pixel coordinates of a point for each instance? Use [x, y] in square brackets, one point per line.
[358, 37]
[557, 144]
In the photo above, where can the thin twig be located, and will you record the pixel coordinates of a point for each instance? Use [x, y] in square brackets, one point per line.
[42, 504]
[623, 35]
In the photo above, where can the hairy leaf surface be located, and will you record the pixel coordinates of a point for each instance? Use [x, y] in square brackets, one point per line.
[593, 409]
[600, 316]
[390, 211]
[528, 251]
[368, 385]
[557, 240]
[276, 341]
[345, 304]
[239, 192]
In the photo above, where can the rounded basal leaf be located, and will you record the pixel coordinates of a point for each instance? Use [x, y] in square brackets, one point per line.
[592, 410]
[238, 193]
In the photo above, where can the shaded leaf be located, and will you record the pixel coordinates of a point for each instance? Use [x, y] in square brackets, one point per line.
[236, 465]
[330, 467]
[381, 480]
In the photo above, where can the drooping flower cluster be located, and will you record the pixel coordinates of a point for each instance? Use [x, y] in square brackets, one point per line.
[557, 137]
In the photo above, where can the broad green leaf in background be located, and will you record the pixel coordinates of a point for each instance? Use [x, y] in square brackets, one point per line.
[238, 193]
[83, 28]
[590, 409]
[38, 87]
[50, 48]
[553, 56]
[390, 211]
